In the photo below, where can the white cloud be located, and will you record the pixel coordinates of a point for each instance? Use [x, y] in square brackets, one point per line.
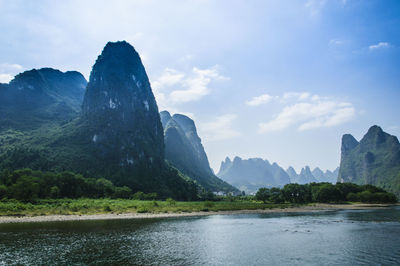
[258, 100]
[219, 129]
[380, 45]
[5, 78]
[315, 6]
[8, 71]
[316, 113]
[337, 42]
[296, 95]
[170, 77]
[174, 87]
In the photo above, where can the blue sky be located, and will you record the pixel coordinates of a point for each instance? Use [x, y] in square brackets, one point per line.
[280, 80]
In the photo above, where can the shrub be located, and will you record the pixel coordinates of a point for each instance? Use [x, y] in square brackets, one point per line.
[171, 202]
[353, 197]
[208, 204]
[142, 210]
[122, 192]
[54, 192]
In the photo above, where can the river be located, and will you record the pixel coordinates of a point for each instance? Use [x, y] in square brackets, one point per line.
[345, 237]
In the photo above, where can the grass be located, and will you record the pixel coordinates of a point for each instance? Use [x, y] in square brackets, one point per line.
[100, 206]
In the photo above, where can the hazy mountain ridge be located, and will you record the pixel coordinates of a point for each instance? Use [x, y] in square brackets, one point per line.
[374, 160]
[40, 96]
[183, 149]
[251, 174]
[316, 175]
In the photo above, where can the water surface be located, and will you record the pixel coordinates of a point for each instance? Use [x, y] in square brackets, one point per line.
[332, 238]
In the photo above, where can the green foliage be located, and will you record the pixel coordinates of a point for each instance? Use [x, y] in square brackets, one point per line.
[28, 185]
[54, 192]
[122, 192]
[374, 160]
[171, 202]
[325, 193]
[3, 191]
[263, 194]
[208, 204]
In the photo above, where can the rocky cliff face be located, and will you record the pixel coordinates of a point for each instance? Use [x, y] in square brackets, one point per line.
[183, 149]
[36, 97]
[374, 160]
[121, 110]
[251, 174]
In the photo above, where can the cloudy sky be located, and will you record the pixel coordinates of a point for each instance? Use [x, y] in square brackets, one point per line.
[280, 80]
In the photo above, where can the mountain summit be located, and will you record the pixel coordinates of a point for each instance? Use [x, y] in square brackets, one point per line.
[120, 108]
[183, 149]
[374, 160]
[251, 174]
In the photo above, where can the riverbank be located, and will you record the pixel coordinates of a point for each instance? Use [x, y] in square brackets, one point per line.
[135, 215]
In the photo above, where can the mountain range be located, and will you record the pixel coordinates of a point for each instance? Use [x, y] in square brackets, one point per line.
[374, 160]
[117, 134]
[251, 174]
[307, 176]
[183, 149]
[111, 127]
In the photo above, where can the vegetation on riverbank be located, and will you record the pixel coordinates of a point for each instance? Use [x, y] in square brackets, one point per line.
[106, 205]
[326, 193]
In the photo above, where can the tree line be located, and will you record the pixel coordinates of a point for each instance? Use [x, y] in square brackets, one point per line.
[325, 193]
[29, 185]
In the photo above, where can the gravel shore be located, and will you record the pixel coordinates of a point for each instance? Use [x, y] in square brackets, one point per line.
[111, 216]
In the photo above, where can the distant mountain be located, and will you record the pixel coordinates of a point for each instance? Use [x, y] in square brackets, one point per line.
[251, 174]
[117, 135]
[36, 97]
[308, 176]
[374, 160]
[183, 149]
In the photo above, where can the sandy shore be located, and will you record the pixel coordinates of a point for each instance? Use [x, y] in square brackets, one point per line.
[111, 216]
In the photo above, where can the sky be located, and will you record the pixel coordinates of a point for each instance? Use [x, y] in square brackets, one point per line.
[280, 80]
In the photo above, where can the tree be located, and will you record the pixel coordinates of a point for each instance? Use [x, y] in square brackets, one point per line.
[25, 189]
[54, 192]
[276, 195]
[263, 194]
[104, 187]
[326, 193]
[3, 191]
[122, 192]
[296, 193]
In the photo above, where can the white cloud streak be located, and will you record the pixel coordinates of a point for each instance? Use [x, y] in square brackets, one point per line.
[174, 87]
[258, 100]
[316, 112]
[219, 129]
[8, 71]
[380, 45]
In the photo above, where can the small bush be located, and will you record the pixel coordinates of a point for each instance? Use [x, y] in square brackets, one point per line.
[208, 204]
[142, 210]
[171, 202]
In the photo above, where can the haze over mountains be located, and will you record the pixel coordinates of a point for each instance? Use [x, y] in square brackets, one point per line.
[36, 97]
[251, 174]
[183, 149]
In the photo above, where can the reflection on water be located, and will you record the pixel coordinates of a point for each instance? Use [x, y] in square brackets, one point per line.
[336, 237]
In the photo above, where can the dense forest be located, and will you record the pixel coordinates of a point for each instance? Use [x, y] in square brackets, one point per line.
[326, 193]
[28, 186]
